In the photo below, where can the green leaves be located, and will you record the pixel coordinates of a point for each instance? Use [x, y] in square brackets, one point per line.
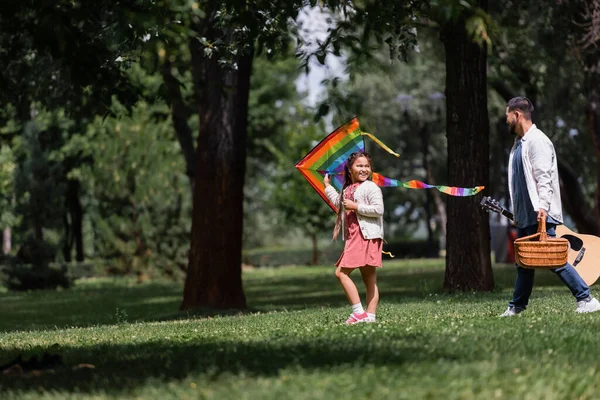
[137, 193]
[322, 111]
[357, 26]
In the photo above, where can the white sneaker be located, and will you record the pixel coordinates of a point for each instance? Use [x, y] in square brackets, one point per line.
[510, 312]
[591, 305]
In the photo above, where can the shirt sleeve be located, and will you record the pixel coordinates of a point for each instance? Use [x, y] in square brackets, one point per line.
[542, 156]
[332, 195]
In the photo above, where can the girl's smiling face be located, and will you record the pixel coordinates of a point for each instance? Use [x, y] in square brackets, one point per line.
[360, 170]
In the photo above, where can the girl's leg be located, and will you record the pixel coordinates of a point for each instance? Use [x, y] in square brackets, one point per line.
[343, 275]
[369, 277]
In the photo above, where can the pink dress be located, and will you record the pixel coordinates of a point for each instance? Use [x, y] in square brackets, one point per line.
[358, 251]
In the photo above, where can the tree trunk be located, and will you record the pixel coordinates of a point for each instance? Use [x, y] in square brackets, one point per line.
[574, 201]
[38, 230]
[6, 240]
[77, 221]
[468, 262]
[67, 245]
[179, 115]
[73, 222]
[214, 276]
[592, 112]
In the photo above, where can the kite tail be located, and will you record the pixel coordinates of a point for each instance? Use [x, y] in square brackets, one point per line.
[380, 143]
[381, 180]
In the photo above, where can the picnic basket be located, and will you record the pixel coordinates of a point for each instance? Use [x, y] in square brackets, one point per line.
[540, 251]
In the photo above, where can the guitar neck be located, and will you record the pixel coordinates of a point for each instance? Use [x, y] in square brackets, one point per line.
[508, 214]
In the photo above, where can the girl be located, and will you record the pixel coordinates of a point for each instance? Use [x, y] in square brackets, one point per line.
[360, 217]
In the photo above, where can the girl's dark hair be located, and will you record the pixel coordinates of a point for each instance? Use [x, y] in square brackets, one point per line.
[347, 182]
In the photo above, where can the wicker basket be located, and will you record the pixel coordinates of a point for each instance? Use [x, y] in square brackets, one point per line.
[539, 251]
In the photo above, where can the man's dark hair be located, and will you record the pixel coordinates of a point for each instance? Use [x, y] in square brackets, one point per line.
[522, 104]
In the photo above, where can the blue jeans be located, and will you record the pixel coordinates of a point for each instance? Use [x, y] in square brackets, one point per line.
[567, 274]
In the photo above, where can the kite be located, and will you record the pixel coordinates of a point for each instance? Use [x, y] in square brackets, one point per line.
[330, 155]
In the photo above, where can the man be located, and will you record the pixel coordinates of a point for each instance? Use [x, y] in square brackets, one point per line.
[535, 193]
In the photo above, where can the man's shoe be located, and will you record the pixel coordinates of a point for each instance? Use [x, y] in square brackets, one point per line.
[511, 312]
[591, 304]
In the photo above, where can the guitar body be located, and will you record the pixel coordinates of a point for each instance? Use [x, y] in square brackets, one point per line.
[584, 253]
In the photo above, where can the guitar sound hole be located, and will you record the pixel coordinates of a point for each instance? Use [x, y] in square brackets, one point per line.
[575, 243]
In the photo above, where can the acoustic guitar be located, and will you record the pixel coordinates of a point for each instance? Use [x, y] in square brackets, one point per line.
[584, 250]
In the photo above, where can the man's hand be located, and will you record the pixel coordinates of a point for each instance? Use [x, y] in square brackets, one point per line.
[542, 214]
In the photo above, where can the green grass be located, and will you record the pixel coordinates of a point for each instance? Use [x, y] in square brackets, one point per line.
[292, 343]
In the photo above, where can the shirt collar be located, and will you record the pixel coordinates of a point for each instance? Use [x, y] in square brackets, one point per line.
[531, 129]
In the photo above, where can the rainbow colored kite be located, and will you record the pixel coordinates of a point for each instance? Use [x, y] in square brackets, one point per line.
[330, 155]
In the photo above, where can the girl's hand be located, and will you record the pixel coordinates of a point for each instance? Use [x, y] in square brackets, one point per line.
[350, 205]
[326, 180]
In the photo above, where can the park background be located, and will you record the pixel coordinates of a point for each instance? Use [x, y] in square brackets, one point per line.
[153, 219]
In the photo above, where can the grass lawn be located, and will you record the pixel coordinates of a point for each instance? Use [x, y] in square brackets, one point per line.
[117, 339]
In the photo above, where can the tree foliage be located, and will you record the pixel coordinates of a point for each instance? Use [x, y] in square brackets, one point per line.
[106, 109]
[136, 192]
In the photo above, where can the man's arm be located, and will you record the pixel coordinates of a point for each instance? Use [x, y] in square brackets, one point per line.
[542, 156]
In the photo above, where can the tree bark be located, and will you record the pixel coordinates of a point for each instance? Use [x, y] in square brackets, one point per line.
[592, 109]
[574, 201]
[468, 262]
[67, 245]
[179, 115]
[38, 230]
[77, 220]
[73, 223]
[214, 276]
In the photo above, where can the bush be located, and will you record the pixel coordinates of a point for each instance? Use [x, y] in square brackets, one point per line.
[18, 276]
[31, 269]
[34, 251]
[21, 277]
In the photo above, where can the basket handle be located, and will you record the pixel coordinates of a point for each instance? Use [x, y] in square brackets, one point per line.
[542, 229]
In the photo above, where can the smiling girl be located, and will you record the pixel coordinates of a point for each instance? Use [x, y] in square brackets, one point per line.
[360, 218]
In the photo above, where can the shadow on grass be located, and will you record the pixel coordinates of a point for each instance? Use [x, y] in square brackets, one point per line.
[121, 368]
[110, 303]
[396, 285]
